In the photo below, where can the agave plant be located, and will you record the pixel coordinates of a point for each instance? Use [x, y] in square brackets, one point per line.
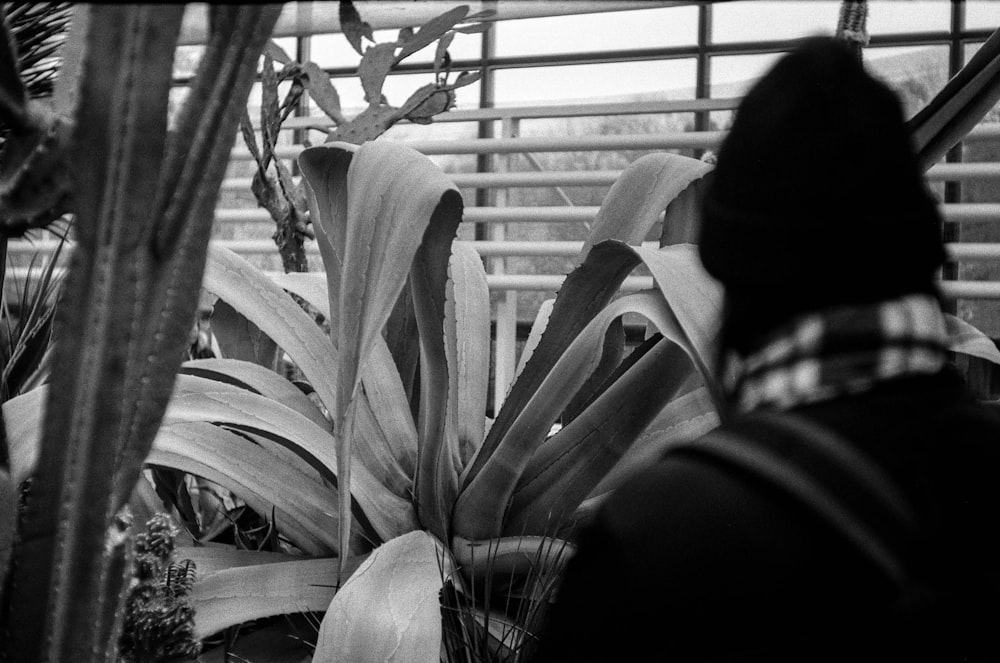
[391, 483]
[410, 464]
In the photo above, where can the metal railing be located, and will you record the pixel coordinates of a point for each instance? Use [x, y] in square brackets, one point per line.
[497, 249]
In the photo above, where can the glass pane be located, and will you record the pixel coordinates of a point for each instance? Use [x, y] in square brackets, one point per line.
[733, 75]
[645, 28]
[915, 73]
[982, 14]
[333, 50]
[397, 89]
[760, 21]
[596, 83]
[913, 16]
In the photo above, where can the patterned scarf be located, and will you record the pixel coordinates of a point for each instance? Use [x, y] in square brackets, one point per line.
[841, 351]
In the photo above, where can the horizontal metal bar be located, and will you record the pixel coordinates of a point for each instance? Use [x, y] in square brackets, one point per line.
[471, 215]
[942, 172]
[958, 251]
[957, 212]
[983, 132]
[547, 112]
[496, 180]
[963, 172]
[667, 141]
[952, 212]
[970, 289]
[302, 19]
[551, 283]
[973, 251]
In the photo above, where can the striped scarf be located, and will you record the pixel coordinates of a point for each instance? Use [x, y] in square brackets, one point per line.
[841, 351]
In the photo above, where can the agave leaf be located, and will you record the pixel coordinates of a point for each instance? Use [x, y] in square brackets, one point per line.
[511, 555]
[582, 296]
[682, 220]
[389, 514]
[241, 339]
[387, 407]
[324, 174]
[564, 469]
[691, 302]
[215, 557]
[393, 195]
[310, 286]
[467, 335]
[259, 380]
[304, 508]
[389, 610]
[403, 339]
[613, 360]
[244, 593]
[567, 467]
[436, 481]
[263, 303]
[23, 417]
[686, 417]
[535, 334]
[966, 339]
[694, 298]
[645, 189]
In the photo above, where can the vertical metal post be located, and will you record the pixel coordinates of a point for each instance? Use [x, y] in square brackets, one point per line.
[505, 343]
[485, 130]
[703, 66]
[951, 232]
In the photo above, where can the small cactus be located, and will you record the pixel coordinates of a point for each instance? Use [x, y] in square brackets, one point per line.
[159, 617]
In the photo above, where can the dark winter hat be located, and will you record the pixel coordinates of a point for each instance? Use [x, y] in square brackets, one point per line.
[817, 199]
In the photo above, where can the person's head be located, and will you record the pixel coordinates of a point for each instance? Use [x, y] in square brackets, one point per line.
[817, 199]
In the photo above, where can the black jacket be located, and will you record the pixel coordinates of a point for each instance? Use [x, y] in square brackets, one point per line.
[691, 561]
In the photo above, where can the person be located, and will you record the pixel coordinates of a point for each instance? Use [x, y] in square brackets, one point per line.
[820, 228]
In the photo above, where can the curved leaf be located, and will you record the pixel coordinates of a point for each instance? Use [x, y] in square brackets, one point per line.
[389, 514]
[392, 194]
[233, 596]
[535, 335]
[511, 555]
[685, 417]
[467, 335]
[305, 510]
[694, 299]
[263, 303]
[23, 417]
[684, 308]
[389, 610]
[644, 190]
[566, 468]
[966, 339]
[436, 481]
[214, 557]
[584, 293]
[387, 409]
[261, 380]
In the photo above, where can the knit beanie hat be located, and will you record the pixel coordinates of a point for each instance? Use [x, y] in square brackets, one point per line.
[817, 199]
